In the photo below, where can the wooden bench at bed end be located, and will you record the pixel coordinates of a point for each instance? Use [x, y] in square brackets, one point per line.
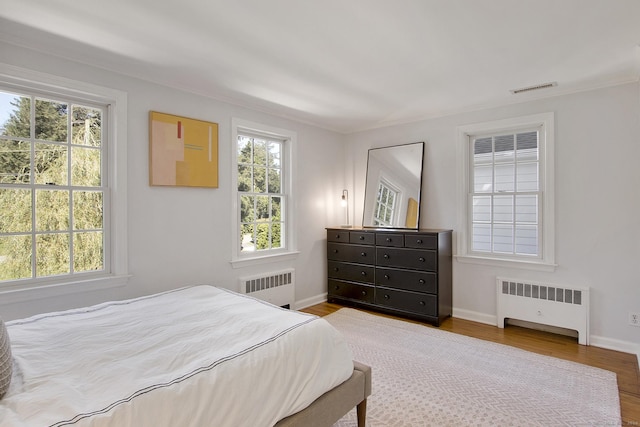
[334, 404]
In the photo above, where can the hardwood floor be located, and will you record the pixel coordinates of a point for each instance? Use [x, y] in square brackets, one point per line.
[623, 364]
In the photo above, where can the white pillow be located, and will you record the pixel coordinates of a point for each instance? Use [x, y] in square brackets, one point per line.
[6, 365]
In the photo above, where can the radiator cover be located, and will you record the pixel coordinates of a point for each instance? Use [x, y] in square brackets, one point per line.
[554, 305]
[274, 287]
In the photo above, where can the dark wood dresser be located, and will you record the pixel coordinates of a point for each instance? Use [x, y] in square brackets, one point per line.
[401, 272]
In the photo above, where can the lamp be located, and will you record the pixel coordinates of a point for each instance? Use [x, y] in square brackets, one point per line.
[345, 204]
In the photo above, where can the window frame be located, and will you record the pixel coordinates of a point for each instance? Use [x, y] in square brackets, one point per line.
[114, 183]
[288, 139]
[544, 122]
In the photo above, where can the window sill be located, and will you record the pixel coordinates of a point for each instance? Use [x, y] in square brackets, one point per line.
[44, 290]
[507, 263]
[265, 259]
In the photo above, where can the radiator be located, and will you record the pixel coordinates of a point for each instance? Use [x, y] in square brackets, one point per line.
[560, 306]
[276, 287]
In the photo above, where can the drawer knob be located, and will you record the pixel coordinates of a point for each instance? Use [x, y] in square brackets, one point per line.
[337, 287]
[335, 251]
[421, 281]
[337, 236]
[419, 241]
[364, 293]
[389, 239]
[386, 256]
[386, 276]
[421, 259]
[422, 303]
[363, 254]
[386, 296]
[336, 269]
[363, 273]
[361, 237]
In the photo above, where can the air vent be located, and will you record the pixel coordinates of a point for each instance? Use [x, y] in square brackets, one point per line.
[536, 87]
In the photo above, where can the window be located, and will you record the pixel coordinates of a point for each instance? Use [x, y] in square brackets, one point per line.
[263, 179]
[59, 184]
[507, 184]
[386, 199]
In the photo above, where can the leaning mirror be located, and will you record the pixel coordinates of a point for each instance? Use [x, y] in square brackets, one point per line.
[393, 186]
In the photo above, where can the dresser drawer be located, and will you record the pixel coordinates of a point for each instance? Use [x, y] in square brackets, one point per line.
[421, 241]
[417, 281]
[351, 272]
[351, 291]
[351, 253]
[424, 304]
[337, 236]
[407, 258]
[390, 239]
[362, 238]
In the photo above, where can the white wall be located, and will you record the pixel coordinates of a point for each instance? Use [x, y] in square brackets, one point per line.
[597, 202]
[181, 236]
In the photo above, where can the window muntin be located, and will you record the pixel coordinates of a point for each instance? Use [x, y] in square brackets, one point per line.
[261, 199]
[505, 198]
[51, 187]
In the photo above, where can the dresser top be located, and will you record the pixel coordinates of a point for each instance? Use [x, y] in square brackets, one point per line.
[390, 230]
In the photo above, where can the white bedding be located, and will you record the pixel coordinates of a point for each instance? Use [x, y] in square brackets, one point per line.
[197, 356]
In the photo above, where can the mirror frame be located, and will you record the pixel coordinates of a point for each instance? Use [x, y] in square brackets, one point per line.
[386, 155]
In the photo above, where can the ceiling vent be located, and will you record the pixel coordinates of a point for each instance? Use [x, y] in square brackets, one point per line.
[536, 87]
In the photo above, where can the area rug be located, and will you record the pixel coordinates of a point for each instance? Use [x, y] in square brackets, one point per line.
[423, 376]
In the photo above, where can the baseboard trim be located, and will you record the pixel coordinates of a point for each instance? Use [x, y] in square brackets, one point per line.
[308, 302]
[488, 319]
[475, 316]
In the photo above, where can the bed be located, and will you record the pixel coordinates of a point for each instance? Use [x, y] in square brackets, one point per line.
[195, 356]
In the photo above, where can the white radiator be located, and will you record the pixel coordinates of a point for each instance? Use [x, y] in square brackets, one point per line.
[276, 287]
[561, 306]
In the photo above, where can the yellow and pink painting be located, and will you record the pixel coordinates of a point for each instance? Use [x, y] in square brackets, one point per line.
[182, 152]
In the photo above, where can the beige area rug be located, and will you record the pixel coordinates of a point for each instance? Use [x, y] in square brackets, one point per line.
[423, 376]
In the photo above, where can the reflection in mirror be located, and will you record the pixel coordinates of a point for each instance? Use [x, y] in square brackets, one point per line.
[393, 186]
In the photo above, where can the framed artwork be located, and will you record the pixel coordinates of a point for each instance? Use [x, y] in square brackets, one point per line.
[183, 152]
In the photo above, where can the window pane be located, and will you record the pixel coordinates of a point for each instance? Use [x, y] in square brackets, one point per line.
[263, 239]
[481, 209]
[528, 177]
[259, 152]
[17, 110]
[275, 154]
[259, 179]
[51, 121]
[504, 149]
[15, 208]
[52, 254]
[505, 177]
[503, 208]
[276, 235]
[527, 144]
[88, 251]
[483, 179]
[52, 210]
[245, 149]
[51, 164]
[482, 237]
[276, 208]
[15, 161]
[87, 210]
[247, 209]
[246, 238]
[502, 238]
[262, 207]
[527, 209]
[85, 163]
[275, 181]
[245, 178]
[15, 257]
[527, 239]
[86, 126]
[483, 149]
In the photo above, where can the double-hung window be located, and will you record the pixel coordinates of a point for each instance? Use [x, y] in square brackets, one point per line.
[56, 195]
[507, 191]
[263, 180]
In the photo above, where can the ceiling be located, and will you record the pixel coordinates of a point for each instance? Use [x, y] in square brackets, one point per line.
[344, 65]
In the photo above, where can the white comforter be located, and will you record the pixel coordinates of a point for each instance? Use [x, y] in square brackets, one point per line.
[197, 356]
